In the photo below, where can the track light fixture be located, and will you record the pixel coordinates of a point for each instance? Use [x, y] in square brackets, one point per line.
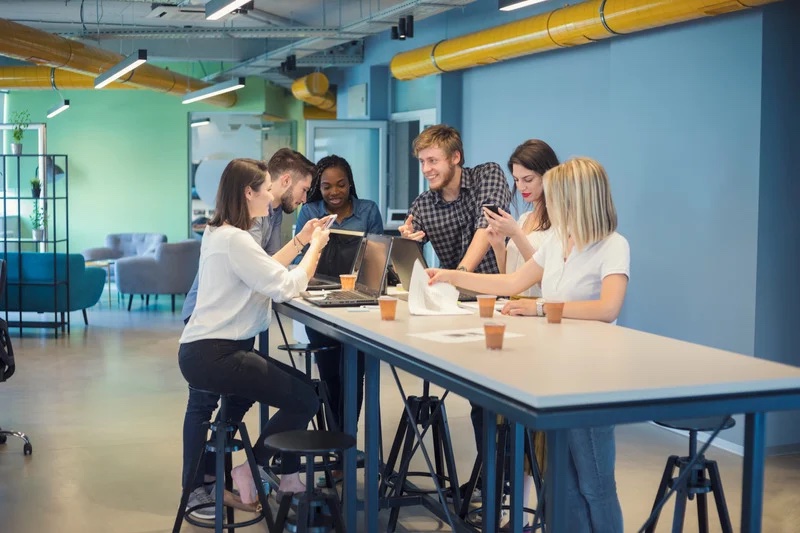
[120, 69]
[511, 5]
[216, 9]
[213, 90]
[404, 29]
[58, 108]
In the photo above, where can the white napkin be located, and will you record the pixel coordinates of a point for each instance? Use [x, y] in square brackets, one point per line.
[438, 299]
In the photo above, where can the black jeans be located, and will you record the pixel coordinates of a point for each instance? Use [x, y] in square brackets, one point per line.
[229, 367]
[200, 407]
[330, 365]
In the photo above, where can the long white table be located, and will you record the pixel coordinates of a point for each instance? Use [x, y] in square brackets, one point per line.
[553, 378]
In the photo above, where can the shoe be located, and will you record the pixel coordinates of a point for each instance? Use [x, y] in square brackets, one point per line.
[476, 495]
[199, 496]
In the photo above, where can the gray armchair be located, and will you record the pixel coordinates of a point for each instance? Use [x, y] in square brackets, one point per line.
[170, 270]
[125, 245]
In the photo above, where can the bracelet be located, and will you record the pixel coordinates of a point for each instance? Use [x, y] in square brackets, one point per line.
[461, 268]
[298, 245]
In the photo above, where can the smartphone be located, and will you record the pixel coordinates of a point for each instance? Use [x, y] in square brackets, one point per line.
[329, 222]
[492, 207]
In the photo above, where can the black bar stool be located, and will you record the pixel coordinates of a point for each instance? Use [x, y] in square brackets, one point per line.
[222, 445]
[317, 511]
[428, 413]
[703, 478]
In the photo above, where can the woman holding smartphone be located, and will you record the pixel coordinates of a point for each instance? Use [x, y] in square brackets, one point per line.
[333, 192]
[527, 165]
[586, 264]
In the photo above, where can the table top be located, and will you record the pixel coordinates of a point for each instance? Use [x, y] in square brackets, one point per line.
[101, 262]
[574, 363]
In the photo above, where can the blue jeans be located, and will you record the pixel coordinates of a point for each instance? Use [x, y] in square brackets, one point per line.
[592, 502]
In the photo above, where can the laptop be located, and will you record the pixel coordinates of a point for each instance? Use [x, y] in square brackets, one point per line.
[405, 252]
[338, 257]
[370, 277]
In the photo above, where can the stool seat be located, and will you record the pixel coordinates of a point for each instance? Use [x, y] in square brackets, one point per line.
[710, 423]
[303, 347]
[314, 442]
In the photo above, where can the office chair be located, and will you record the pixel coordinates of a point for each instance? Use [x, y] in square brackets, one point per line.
[7, 366]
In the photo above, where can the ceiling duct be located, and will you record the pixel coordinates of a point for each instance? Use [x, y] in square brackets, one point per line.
[45, 49]
[313, 89]
[39, 78]
[571, 25]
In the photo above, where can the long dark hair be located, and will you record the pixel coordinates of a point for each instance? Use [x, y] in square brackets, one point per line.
[539, 157]
[231, 201]
[331, 161]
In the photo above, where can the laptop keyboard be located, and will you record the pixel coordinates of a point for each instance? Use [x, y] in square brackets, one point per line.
[346, 296]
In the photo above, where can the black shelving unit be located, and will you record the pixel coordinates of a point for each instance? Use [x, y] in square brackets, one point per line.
[18, 201]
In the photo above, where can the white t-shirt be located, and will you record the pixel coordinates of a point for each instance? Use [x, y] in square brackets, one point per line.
[514, 259]
[237, 283]
[580, 277]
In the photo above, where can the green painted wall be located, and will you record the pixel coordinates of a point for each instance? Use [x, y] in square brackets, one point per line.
[128, 157]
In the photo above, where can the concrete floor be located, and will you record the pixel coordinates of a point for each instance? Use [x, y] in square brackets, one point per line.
[104, 407]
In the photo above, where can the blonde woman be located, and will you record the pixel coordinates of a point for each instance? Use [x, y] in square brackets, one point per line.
[527, 165]
[585, 264]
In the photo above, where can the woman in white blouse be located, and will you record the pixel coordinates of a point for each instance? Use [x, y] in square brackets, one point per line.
[527, 165]
[586, 265]
[237, 283]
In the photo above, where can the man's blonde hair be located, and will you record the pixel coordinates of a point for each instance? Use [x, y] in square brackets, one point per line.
[440, 136]
[579, 201]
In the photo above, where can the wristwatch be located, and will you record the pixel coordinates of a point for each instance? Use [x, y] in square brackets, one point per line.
[540, 307]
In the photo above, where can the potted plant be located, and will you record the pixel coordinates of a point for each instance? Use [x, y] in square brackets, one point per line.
[21, 120]
[37, 222]
[36, 187]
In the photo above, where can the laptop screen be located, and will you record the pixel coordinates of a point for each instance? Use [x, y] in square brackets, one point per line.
[405, 253]
[339, 255]
[372, 272]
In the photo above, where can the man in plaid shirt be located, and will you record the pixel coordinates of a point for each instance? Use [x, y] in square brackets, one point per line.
[450, 216]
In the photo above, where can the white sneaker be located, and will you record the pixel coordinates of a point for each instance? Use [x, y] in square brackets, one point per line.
[199, 496]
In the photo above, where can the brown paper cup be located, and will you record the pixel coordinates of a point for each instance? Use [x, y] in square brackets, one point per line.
[494, 335]
[348, 281]
[553, 312]
[486, 305]
[388, 305]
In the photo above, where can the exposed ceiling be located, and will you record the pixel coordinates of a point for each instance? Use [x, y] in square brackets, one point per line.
[319, 33]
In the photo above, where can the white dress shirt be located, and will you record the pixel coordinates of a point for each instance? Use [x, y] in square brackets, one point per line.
[237, 283]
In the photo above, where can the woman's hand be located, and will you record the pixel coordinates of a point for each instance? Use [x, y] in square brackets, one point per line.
[522, 307]
[319, 238]
[438, 275]
[503, 223]
[496, 240]
[305, 234]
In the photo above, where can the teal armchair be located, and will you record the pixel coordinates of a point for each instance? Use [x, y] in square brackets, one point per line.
[31, 283]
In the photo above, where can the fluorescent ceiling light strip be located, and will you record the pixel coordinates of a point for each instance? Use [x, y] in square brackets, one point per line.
[214, 90]
[507, 5]
[120, 69]
[198, 123]
[216, 9]
[63, 106]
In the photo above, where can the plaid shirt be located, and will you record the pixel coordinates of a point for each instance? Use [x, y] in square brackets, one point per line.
[450, 226]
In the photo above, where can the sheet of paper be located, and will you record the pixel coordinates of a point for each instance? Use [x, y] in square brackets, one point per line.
[455, 336]
[438, 299]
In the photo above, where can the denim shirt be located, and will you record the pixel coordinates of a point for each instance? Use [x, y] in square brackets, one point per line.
[365, 217]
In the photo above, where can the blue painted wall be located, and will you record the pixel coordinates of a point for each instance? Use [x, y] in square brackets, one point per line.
[675, 115]
[778, 277]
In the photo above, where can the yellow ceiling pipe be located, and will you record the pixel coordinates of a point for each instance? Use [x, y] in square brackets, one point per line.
[315, 113]
[39, 78]
[567, 26]
[313, 89]
[46, 49]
